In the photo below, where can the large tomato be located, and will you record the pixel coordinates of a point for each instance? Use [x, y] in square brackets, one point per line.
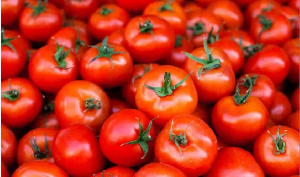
[257, 7]
[46, 119]
[116, 171]
[159, 169]
[10, 11]
[134, 6]
[165, 92]
[8, 146]
[293, 120]
[187, 143]
[280, 109]
[292, 49]
[295, 99]
[80, 9]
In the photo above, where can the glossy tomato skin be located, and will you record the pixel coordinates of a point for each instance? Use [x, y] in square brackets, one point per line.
[116, 171]
[39, 168]
[235, 161]
[271, 61]
[80, 10]
[237, 35]
[23, 110]
[102, 24]
[4, 171]
[257, 7]
[20, 38]
[129, 88]
[39, 28]
[183, 100]
[10, 11]
[149, 46]
[76, 150]
[294, 4]
[200, 151]
[117, 105]
[280, 109]
[292, 15]
[75, 95]
[133, 6]
[123, 127]
[295, 99]
[8, 146]
[285, 164]
[116, 37]
[292, 49]
[78, 25]
[293, 120]
[159, 169]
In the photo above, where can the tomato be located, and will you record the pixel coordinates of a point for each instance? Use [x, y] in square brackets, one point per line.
[8, 146]
[116, 37]
[107, 19]
[235, 161]
[199, 24]
[78, 25]
[127, 138]
[21, 102]
[39, 168]
[178, 146]
[165, 92]
[80, 10]
[271, 61]
[229, 12]
[210, 70]
[293, 120]
[38, 21]
[170, 11]
[19, 38]
[10, 11]
[239, 36]
[204, 3]
[292, 49]
[239, 119]
[292, 15]
[129, 88]
[46, 119]
[258, 6]
[148, 38]
[13, 56]
[107, 65]
[116, 171]
[76, 150]
[243, 3]
[295, 4]
[117, 105]
[295, 99]
[277, 151]
[86, 102]
[58, 3]
[159, 169]
[4, 171]
[133, 6]
[280, 109]
[177, 57]
[202, 113]
[191, 6]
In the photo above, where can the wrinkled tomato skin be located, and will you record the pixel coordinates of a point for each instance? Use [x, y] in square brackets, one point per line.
[237, 35]
[8, 146]
[293, 120]
[280, 109]
[10, 11]
[116, 171]
[256, 7]
[134, 6]
[292, 49]
[295, 99]
[80, 10]
[159, 169]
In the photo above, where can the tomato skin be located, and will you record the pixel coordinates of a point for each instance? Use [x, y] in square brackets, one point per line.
[8, 146]
[80, 10]
[134, 6]
[202, 113]
[200, 151]
[22, 111]
[191, 6]
[116, 37]
[285, 164]
[19, 38]
[159, 169]
[236, 35]
[295, 99]
[123, 127]
[271, 61]
[281, 108]
[182, 101]
[39, 168]
[58, 3]
[204, 3]
[101, 25]
[235, 161]
[257, 7]
[291, 47]
[243, 3]
[295, 4]
[117, 105]
[76, 150]
[10, 11]
[292, 15]
[46, 120]
[4, 171]
[41, 27]
[145, 48]
[79, 25]
[293, 120]
[75, 94]
[116, 171]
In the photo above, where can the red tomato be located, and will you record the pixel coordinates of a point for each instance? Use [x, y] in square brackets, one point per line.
[281, 108]
[178, 146]
[116, 37]
[159, 169]
[10, 11]
[295, 4]
[295, 99]
[78, 25]
[127, 138]
[117, 105]
[8, 146]
[106, 20]
[292, 49]
[4, 171]
[239, 36]
[148, 38]
[234, 161]
[116, 171]
[165, 92]
[293, 16]
[271, 61]
[76, 150]
[58, 3]
[133, 6]
[21, 102]
[293, 121]
[39, 168]
[86, 102]
[204, 3]
[277, 151]
[243, 3]
[46, 119]
[38, 21]
[82, 9]
[190, 7]
[19, 38]
[202, 113]
[258, 6]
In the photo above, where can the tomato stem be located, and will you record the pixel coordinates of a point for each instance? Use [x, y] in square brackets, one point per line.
[39, 8]
[266, 24]
[92, 103]
[249, 51]
[166, 7]
[178, 41]
[198, 28]
[37, 151]
[6, 41]
[248, 82]
[78, 41]
[238, 99]
[213, 38]
[60, 55]
[279, 143]
[12, 94]
[179, 140]
[105, 11]
[147, 68]
[147, 27]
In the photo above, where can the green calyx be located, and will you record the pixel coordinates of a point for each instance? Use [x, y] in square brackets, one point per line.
[46, 110]
[178, 41]
[39, 8]
[166, 7]
[167, 88]
[147, 27]
[60, 56]
[213, 38]
[250, 82]
[266, 24]
[198, 28]
[208, 64]
[279, 143]
[147, 68]
[37, 151]
[78, 41]
[105, 11]
[92, 103]
[143, 138]
[238, 99]
[6, 41]
[179, 140]
[12, 94]
[248, 51]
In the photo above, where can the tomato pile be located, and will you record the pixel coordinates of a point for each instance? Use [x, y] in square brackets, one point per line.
[148, 88]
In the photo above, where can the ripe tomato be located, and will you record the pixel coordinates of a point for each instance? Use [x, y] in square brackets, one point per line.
[38, 168]
[293, 16]
[58, 3]
[80, 10]
[159, 169]
[204, 3]
[293, 120]
[295, 99]
[170, 11]
[165, 92]
[107, 19]
[239, 119]
[234, 161]
[291, 47]
[86, 102]
[271, 61]
[78, 25]
[295, 4]
[277, 151]
[148, 38]
[116, 37]
[202, 113]
[36, 144]
[10, 11]
[116, 171]
[280, 109]
[76, 150]
[133, 6]
[19, 38]
[129, 88]
[243, 3]
[239, 36]
[107, 65]
[191, 6]
[117, 105]
[258, 6]
[46, 119]
[4, 171]
[21, 102]
[8, 146]
[178, 146]
[38, 21]
[127, 138]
